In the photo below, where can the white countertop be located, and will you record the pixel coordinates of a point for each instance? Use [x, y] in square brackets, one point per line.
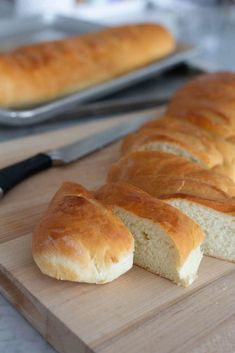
[17, 335]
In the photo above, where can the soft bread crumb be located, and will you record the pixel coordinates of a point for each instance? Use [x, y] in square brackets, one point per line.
[219, 228]
[156, 252]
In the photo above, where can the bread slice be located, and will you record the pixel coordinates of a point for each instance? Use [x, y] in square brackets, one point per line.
[40, 72]
[219, 227]
[78, 239]
[166, 241]
[225, 147]
[198, 150]
[177, 125]
[142, 168]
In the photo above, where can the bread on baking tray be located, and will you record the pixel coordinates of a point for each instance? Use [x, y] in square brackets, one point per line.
[204, 196]
[166, 241]
[40, 72]
[78, 239]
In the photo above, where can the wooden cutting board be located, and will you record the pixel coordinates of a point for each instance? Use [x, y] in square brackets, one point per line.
[139, 312]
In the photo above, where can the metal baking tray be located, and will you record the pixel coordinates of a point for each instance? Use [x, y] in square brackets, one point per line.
[16, 32]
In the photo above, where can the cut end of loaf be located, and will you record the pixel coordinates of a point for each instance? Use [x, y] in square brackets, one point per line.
[156, 252]
[219, 228]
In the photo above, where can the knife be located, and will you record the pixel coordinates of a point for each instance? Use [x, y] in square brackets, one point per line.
[14, 174]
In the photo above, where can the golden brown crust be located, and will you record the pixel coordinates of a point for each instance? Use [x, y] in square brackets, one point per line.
[40, 72]
[174, 124]
[79, 229]
[151, 163]
[186, 234]
[208, 102]
[201, 149]
[225, 147]
[162, 174]
[225, 206]
[231, 139]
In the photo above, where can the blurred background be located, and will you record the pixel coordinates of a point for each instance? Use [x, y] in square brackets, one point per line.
[210, 24]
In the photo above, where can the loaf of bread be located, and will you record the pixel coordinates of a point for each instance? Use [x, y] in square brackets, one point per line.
[40, 72]
[78, 239]
[208, 102]
[203, 196]
[167, 242]
[184, 139]
[173, 184]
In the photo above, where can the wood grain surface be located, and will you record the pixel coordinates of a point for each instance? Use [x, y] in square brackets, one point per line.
[139, 312]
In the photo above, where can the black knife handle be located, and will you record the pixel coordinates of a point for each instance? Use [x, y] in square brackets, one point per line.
[15, 173]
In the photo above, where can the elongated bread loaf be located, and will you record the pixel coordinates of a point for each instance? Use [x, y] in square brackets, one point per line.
[166, 242]
[40, 72]
[217, 220]
[78, 239]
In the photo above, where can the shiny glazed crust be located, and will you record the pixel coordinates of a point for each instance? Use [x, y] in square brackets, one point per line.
[162, 174]
[41, 72]
[185, 234]
[78, 239]
[201, 148]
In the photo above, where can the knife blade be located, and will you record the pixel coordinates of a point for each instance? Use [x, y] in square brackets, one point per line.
[12, 175]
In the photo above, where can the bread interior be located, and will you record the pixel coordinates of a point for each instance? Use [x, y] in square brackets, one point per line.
[219, 228]
[156, 252]
[172, 149]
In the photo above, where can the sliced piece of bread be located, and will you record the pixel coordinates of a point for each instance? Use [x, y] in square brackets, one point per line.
[225, 166]
[166, 241]
[141, 168]
[78, 239]
[198, 150]
[219, 227]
